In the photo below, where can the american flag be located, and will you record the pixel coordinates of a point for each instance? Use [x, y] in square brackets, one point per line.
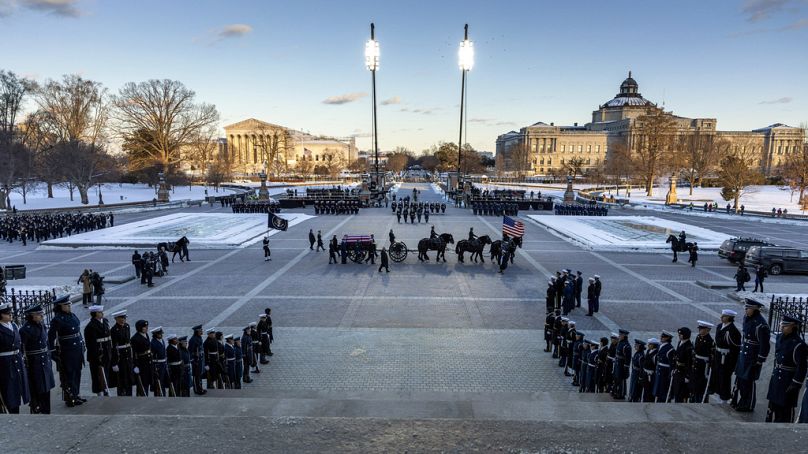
[512, 227]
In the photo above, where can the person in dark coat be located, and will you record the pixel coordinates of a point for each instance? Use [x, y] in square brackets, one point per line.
[649, 369]
[230, 362]
[186, 377]
[591, 384]
[665, 359]
[549, 301]
[312, 239]
[159, 362]
[197, 359]
[635, 387]
[725, 358]
[622, 365]
[741, 278]
[256, 347]
[320, 244]
[13, 377]
[211, 349]
[137, 261]
[141, 350]
[267, 253]
[569, 297]
[239, 361]
[385, 260]
[67, 350]
[590, 297]
[268, 311]
[263, 333]
[99, 350]
[163, 257]
[760, 276]
[577, 352]
[34, 337]
[122, 362]
[174, 366]
[332, 252]
[246, 354]
[579, 288]
[694, 254]
[598, 289]
[682, 368]
[754, 351]
[703, 349]
[549, 321]
[788, 373]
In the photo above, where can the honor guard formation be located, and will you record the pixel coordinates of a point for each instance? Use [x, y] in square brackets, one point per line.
[140, 363]
[43, 227]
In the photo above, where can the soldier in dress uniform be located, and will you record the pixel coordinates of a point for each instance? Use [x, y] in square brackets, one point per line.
[230, 362]
[603, 366]
[268, 311]
[222, 360]
[608, 372]
[683, 369]
[158, 349]
[561, 339]
[186, 377]
[256, 346]
[703, 349]
[665, 359]
[263, 333]
[727, 350]
[556, 331]
[121, 361]
[754, 350]
[577, 354]
[790, 353]
[13, 377]
[67, 349]
[635, 387]
[34, 337]
[246, 354]
[549, 301]
[197, 359]
[239, 361]
[174, 365]
[141, 350]
[99, 350]
[622, 365]
[649, 370]
[570, 339]
[211, 350]
[591, 384]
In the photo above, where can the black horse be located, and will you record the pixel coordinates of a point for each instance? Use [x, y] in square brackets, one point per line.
[677, 246]
[475, 247]
[438, 244]
[511, 245]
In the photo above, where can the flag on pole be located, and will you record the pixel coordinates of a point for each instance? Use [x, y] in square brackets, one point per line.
[277, 222]
[512, 227]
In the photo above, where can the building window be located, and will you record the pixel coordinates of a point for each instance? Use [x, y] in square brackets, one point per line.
[588, 161]
[597, 148]
[550, 161]
[563, 148]
[580, 148]
[316, 157]
[533, 145]
[589, 148]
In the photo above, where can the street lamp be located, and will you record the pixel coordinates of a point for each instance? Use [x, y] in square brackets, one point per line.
[465, 57]
[372, 64]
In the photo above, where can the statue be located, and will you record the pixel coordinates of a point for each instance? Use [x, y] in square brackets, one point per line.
[569, 194]
[162, 189]
[263, 192]
[671, 198]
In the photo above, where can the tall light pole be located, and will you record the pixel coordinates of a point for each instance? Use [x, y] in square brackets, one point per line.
[465, 57]
[372, 64]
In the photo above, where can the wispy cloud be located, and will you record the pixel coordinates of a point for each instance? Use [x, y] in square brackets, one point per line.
[64, 8]
[796, 25]
[491, 122]
[421, 110]
[783, 100]
[344, 99]
[757, 10]
[393, 100]
[234, 31]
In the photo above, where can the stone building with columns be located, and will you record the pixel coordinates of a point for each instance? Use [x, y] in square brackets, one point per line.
[251, 143]
[549, 147]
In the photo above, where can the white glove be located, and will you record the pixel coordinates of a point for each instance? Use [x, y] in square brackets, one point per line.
[207, 368]
[114, 368]
[137, 371]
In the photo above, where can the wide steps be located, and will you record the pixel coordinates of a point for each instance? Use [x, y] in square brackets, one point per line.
[492, 406]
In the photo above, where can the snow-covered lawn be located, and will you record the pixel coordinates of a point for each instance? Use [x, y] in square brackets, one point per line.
[755, 198]
[111, 193]
[204, 230]
[641, 233]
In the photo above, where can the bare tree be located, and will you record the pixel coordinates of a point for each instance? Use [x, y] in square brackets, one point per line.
[620, 166]
[520, 158]
[575, 166]
[220, 170]
[739, 169]
[161, 117]
[40, 141]
[795, 170]
[698, 155]
[13, 155]
[656, 131]
[398, 160]
[84, 165]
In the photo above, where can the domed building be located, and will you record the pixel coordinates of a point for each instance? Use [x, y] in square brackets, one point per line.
[545, 149]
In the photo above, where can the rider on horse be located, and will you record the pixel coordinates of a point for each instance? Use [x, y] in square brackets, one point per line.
[472, 236]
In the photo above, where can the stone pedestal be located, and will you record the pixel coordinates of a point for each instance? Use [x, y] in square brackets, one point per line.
[569, 194]
[671, 198]
[263, 192]
[162, 193]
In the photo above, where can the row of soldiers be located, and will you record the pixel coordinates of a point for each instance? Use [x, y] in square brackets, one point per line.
[256, 206]
[350, 206]
[117, 359]
[569, 209]
[656, 371]
[42, 227]
[495, 208]
[425, 207]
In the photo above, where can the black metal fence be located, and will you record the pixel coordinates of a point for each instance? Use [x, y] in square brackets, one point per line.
[20, 301]
[780, 306]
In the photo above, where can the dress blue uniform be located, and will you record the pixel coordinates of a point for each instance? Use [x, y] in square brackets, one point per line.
[158, 350]
[239, 363]
[174, 367]
[648, 378]
[34, 338]
[13, 379]
[665, 358]
[622, 366]
[197, 359]
[230, 362]
[637, 373]
[754, 350]
[788, 374]
[592, 368]
[141, 349]
[186, 377]
[67, 349]
[727, 350]
[247, 353]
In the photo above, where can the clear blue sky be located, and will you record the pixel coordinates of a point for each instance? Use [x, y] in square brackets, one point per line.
[743, 62]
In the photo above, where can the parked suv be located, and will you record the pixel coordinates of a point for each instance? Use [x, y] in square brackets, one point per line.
[778, 259]
[734, 249]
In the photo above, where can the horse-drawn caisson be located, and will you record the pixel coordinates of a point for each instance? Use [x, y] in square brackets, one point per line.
[358, 246]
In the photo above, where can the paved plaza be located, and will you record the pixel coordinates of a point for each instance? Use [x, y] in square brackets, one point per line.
[422, 328]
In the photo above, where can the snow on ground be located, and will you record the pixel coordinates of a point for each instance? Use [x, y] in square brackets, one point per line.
[204, 230]
[755, 198]
[111, 193]
[635, 233]
[436, 188]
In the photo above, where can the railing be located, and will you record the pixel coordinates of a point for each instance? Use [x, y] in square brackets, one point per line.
[20, 301]
[794, 307]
